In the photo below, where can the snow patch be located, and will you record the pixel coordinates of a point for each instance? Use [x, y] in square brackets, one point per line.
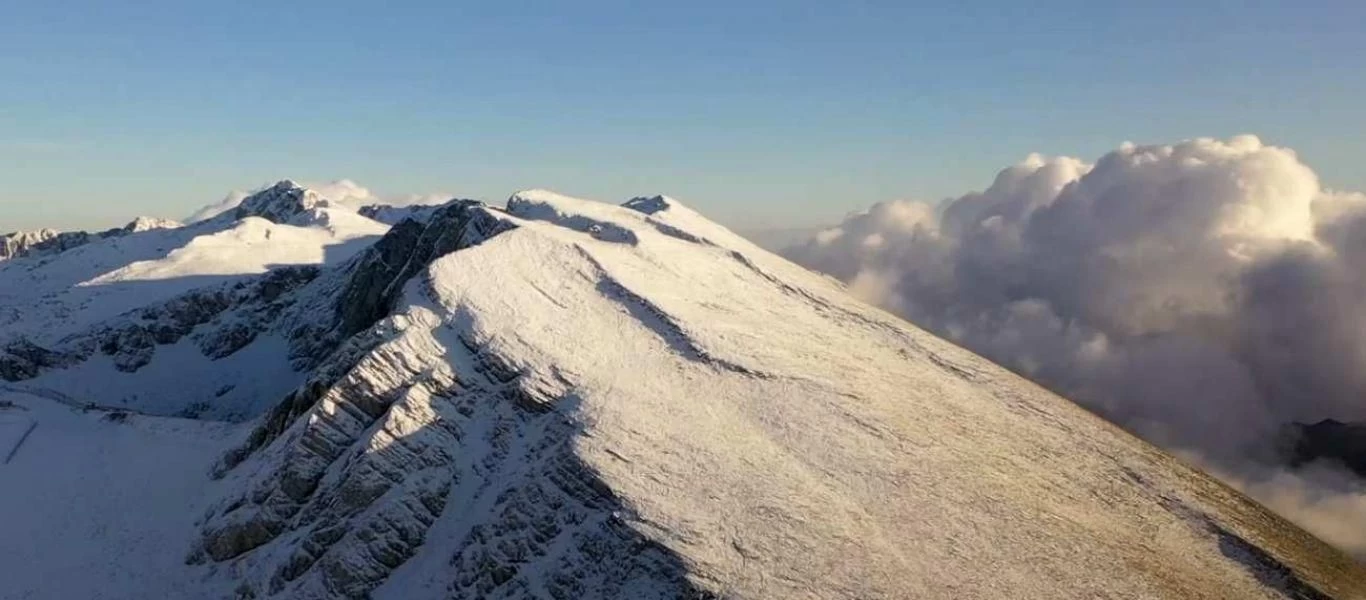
[99, 505]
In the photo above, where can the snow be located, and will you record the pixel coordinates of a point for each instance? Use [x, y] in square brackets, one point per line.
[235, 387]
[777, 437]
[46, 299]
[98, 509]
[630, 382]
[14, 430]
[750, 422]
[51, 300]
[393, 214]
[67, 301]
[808, 444]
[253, 245]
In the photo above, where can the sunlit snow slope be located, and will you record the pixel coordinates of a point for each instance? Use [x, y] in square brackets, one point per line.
[564, 399]
[632, 402]
[178, 320]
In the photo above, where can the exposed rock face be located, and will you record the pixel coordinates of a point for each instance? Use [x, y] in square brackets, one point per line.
[405, 251]
[348, 492]
[20, 243]
[361, 513]
[279, 203]
[132, 340]
[1343, 443]
[375, 278]
[573, 400]
[474, 438]
[21, 359]
[141, 224]
[392, 215]
[314, 308]
[45, 242]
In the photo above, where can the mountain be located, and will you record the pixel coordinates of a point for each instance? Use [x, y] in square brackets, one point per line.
[121, 320]
[392, 215]
[42, 242]
[1330, 440]
[560, 399]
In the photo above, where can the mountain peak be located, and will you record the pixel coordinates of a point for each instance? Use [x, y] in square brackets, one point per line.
[651, 204]
[141, 224]
[19, 243]
[280, 202]
[571, 399]
[539, 196]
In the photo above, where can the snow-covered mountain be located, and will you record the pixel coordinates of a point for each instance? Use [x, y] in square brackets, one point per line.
[560, 399]
[121, 320]
[45, 242]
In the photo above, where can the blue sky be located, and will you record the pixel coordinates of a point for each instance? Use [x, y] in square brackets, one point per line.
[757, 113]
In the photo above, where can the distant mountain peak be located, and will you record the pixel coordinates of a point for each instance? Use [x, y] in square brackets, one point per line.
[280, 202]
[45, 242]
[149, 223]
[1330, 440]
[651, 204]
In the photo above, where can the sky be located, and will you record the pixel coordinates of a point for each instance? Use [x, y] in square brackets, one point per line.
[759, 114]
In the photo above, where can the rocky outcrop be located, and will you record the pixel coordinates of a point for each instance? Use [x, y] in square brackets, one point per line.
[375, 278]
[560, 413]
[21, 243]
[131, 340]
[315, 309]
[572, 400]
[1327, 440]
[21, 359]
[408, 248]
[358, 296]
[46, 242]
[142, 224]
[347, 494]
[393, 215]
[350, 473]
[278, 203]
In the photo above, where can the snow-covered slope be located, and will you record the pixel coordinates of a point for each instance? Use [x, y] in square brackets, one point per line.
[51, 295]
[46, 242]
[95, 505]
[567, 399]
[122, 320]
[392, 215]
[633, 402]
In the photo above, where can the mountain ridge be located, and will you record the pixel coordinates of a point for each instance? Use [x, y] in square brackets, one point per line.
[20, 244]
[569, 399]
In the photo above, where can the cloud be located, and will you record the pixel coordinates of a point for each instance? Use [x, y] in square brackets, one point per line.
[1323, 500]
[210, 211]
[776, 239]
[1202, 294]
[343, 192]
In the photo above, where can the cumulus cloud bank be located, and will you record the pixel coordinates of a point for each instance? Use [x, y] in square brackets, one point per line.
[343, 192]
[1202, 294]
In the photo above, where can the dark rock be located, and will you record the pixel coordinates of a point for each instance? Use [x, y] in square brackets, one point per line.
[1344, 443]
[227, 340]
[278, 203]
[21, 359]
[377, 276]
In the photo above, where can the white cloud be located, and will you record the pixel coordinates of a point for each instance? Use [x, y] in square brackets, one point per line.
[1202, 293]
[209, 211]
